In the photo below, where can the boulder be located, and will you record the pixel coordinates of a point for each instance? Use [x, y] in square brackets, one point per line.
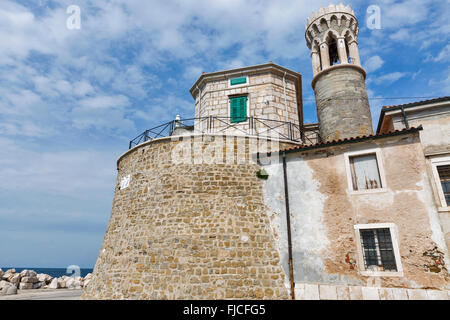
[14, 279]
[86, 282]
[9, 290]
[38, 285]
[11, 271]
[88, 276]
[25, 286]
[70, 283]
[1, 273]
[4, 284]
[29, 279]
[61, 283]
[54, 284]
[75, 284]
[42, 277]
[28, 273]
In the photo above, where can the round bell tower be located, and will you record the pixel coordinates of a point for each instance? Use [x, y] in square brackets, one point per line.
[339, 85]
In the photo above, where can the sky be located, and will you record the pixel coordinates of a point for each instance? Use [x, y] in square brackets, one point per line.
[71, 99]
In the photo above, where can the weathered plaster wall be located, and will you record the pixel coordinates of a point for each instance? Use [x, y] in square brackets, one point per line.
[435, 136]
[188, 230]
[323, 213]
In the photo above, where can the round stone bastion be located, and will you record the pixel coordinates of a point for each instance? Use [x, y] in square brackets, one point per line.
[189, 227]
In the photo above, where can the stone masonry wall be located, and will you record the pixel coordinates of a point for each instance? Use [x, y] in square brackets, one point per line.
[187, 231]
[342, 104]
[265, 100]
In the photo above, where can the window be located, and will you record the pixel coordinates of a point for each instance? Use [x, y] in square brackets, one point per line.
[365, 172]
[444, 177]
[238, 109]
[441, 174]
[377, 248]
[236, 81]
[378, 251]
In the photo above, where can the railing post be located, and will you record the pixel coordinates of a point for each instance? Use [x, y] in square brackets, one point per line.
[210, 124]
[129, 146]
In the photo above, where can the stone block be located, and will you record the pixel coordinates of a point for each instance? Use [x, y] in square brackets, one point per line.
[370, 293]
[311, 292]
[437, 295]
[299, 291]
[355, 293]
[399, 294]
[386, 294]
[417, 294]
[343, 292]
[327, 292]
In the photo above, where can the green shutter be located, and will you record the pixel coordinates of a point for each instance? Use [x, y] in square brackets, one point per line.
[238, 109]
[238, 81]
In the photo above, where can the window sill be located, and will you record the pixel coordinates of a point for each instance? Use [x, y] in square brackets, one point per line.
[369, 191]
[381, 273]
[444, 209]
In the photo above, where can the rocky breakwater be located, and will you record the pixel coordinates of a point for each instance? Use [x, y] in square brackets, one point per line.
[11, 281]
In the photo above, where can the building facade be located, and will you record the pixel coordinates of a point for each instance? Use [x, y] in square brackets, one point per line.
[241, 205]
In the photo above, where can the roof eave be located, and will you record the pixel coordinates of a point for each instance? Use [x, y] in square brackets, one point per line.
[243, 70]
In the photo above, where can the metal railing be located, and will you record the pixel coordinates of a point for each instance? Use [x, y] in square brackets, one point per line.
[251, 126]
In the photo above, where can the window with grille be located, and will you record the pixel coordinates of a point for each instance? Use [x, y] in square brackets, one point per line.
[444, 176]
[365, 172]
[378, 252]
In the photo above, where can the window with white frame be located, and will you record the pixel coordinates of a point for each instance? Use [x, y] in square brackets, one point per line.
[444, 177]
[365, 171]
[378, 249]
[441, 173]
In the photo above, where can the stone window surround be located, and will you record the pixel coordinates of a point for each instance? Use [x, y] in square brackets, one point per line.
[377, 152]
[436, 162]
[238, 85]
[394, 237]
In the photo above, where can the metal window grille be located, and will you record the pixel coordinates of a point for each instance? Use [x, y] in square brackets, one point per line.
[378, 251]
[444, 176]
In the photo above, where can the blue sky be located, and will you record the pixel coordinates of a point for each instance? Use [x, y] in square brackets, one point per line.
[70, 100]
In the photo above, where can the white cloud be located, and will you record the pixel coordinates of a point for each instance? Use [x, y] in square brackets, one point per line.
[444, 55]
[373, 63]
[390, 77]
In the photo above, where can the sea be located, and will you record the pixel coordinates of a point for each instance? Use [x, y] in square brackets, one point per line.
[54, 272]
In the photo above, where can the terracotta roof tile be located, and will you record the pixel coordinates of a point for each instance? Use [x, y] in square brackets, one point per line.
[418, 103]
[352, 139]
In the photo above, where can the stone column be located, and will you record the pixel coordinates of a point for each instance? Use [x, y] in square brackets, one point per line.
[342, 51]
[324, 55]
[315, 62]
[354, 53]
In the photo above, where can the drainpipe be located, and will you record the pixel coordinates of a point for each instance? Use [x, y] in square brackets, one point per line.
[405, 120]
[199, 105]
[284, 92]
[288, 222]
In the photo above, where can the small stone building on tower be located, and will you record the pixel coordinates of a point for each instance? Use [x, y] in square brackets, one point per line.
[245, 201]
